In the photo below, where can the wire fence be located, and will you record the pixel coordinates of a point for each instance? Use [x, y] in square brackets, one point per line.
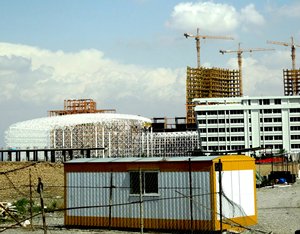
[145, 202]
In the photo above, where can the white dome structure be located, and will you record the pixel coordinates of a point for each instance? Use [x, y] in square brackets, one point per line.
[120, 134]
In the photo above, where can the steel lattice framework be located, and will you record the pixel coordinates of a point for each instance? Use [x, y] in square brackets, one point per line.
[120, 135]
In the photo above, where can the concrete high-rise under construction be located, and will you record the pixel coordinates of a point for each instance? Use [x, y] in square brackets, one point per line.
[291, 80]
[209, 83]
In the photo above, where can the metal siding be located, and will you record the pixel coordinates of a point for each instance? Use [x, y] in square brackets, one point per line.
[86, 189]
[202, 196]
[239, 197]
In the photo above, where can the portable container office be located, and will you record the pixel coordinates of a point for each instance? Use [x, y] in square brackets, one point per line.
[173, 194]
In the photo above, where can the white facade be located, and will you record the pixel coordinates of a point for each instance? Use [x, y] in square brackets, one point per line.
[244, 122]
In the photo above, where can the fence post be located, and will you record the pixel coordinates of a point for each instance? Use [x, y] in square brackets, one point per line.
[31, 202]
[220, 194]
[191, 196]
[141, 202]
[40, 189]
[110, 198]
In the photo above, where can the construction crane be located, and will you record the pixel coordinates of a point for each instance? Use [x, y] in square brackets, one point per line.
[198, 37]
[239, 52]
[293, 49]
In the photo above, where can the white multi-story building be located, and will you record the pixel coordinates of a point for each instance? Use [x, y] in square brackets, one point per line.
[244, 122]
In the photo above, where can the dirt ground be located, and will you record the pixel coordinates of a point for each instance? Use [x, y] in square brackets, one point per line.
[278, 207]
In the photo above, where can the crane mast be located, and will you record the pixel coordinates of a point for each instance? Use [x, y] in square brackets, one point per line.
[239, 52]
[293, 49]
[293, 56]
[197, 39]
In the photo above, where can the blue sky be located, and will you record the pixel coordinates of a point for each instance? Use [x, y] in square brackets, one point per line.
[131, 55]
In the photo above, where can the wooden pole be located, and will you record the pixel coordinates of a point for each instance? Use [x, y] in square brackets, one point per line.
[31, 202]
[40, 189]
[191, 196]
[220, 195]
[110, 198]
[141, 202]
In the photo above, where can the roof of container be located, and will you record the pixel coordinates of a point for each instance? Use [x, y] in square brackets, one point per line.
[152, 159]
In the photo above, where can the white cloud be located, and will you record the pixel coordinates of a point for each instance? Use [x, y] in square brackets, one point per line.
[249, 14]
[212, 17]
[287, 10]
[258, 78]
[36, 75]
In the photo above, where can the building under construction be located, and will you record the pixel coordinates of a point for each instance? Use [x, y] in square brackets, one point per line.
[79, 106]
[209, 83]
[291, 79]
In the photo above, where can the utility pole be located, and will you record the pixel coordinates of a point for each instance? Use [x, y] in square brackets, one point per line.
[239, 52]
[198, 37]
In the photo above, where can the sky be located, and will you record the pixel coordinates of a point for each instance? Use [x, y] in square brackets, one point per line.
[131, 55]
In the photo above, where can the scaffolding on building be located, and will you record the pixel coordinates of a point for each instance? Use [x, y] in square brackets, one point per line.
[119, 136]
[79, 106]
[209, 83]
[291, 80]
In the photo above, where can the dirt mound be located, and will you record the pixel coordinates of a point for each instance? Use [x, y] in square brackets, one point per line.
[15, 180]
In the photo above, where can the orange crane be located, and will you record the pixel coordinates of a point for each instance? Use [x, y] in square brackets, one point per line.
[239, 52]
[293, 49]
[198, 37]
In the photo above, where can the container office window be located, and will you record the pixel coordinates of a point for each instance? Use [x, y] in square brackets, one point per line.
[149, 182]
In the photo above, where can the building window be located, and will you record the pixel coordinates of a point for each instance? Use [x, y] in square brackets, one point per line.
[236, 112]
[202, 121]
[237, 121]
[278, 137]
[268, 120]
[266, 101]
[277, 111]
[268, 138]
[212, 112]
[149, 182]
[221, 121]
[295, 110]
[212, 121]
[295, 137]
[277, 120]
[277, 101]
[295, 146]
[295, 128]
[295, 119]
[277, 129]
[268, 129]
[268, 111]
